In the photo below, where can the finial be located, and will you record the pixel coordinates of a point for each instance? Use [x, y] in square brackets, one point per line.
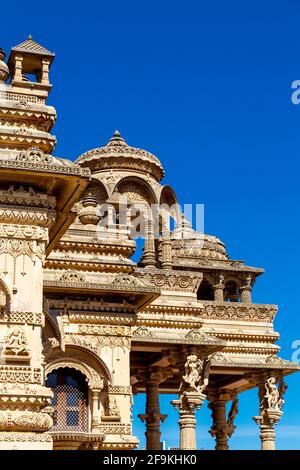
[30, 37]
[117, 139]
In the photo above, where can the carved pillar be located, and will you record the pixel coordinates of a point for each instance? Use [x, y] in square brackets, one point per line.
[45, 71]
[194, 380]
[149, 255]
[166, 255]
[246, 290]
[219, 289]
[219, 427]
[271, 402]
[18, 75]
[153, 416]
[95, 409]
[187, 404]
[25, 217]
[222, 427]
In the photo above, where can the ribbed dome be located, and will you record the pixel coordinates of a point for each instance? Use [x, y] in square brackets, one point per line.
[117, 154]
[187, 243]
[4, 71]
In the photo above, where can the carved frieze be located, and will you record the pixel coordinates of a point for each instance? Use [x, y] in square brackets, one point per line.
[20, 374]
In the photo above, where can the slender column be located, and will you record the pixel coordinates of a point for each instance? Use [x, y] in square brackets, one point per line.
[219, 289]
[153, 416]
[166, 262]
[149, 256]
[271, 403]
[95, 409]
[18, 68]
[45, 71]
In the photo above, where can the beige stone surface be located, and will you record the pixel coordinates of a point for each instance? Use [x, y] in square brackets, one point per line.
[82, 327]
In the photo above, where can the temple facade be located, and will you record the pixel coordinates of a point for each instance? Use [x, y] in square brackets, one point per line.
[83, 328]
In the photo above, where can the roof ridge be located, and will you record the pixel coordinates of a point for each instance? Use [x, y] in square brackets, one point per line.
[29, 45]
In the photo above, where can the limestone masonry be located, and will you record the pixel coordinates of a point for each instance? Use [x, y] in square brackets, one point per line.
[82, 327]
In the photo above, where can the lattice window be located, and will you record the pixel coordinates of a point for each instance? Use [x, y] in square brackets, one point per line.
[70, 400]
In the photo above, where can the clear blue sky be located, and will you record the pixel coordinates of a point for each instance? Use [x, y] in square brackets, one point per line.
[206, 86]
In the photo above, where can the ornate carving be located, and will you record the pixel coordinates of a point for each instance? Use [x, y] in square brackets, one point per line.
[34, 155]
[181, 281]
[31, 318]
[142, 332]
[97, 343]
[25, 437]
[20, 374]
[230, 426]
[24, 421]
[196, 374]
[111, 409]
[71, 276]
[15, 345]
[273, 398]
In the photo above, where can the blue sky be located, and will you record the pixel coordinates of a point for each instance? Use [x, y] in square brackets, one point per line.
[206, 86]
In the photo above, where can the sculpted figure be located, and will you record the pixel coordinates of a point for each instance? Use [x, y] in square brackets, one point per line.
[192, 367]
[274, 396]
[196, 373]
[15, 341]
[232, 415]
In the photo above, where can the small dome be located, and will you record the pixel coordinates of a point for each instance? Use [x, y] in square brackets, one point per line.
[117, 154]
[187, 243]
[4, 70]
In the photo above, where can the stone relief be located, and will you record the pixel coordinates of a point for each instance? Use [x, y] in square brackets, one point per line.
[15, 345]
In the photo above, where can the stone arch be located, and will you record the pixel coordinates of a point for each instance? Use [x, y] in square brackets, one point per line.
[97, 189]
[232, 289]
[83, 357]
[168, 206]
[5, 294]
[206, 290]
[72, 363]
[134, 185]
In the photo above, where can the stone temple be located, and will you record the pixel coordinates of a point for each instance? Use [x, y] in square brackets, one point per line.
[83, 328]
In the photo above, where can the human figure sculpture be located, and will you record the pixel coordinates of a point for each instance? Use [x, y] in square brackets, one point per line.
[15, 342]
[196, 373]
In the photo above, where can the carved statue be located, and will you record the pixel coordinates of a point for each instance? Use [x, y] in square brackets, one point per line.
[281, 389]
[274, 396]
[248, 280]
[196, 373]
[221, 280]
[192, 368]
[232, 415]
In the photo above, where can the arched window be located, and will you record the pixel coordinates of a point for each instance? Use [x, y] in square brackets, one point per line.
[70, 400]
[205, 291]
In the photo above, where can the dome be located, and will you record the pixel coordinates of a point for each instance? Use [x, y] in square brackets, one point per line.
[4, 70]
[188, 243]
[117, 154]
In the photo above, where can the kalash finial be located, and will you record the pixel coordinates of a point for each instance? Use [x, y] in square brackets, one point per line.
[30, 37]
[117, 139]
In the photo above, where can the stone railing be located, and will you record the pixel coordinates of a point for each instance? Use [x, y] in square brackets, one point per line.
[17, 97]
